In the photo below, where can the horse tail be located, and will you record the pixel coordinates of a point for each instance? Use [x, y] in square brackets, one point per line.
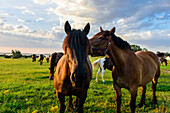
[95, 63]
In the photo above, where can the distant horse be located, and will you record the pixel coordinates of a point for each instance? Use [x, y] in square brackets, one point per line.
[104, 63]
[34, 58]
[74, 71]
[47, 58]
[54, 58]
[130, 70]
[163, 60]
[41, 58]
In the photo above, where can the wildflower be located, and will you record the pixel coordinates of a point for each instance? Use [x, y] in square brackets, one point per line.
[54, 108]
[6, 91]
[36, 111]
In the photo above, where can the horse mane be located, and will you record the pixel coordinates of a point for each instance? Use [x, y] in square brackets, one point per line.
[120, 42]
[78, 42]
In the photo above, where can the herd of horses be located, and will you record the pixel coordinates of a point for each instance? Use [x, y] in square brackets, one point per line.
[73, 69]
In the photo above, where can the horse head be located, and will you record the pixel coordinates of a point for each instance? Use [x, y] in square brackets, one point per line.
[101, 41]
[76, 46]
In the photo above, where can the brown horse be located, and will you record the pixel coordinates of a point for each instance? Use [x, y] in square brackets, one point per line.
[41, 58]
[163, 60]
[34, 58]
[130, 70]
[54, 58]
[73, 72]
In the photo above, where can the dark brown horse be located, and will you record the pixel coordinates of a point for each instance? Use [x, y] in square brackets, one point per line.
[41, 58]
[47, 58]
[73, 72]
[34, 58]
[163, 60]
[54, 58]
[130, 70]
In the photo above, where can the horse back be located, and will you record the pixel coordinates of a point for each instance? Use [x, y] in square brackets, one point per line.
[150, 66]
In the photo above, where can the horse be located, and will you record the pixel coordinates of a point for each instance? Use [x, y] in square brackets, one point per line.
[130, 69]
[34, 58]
[47, 58]
[41, 58]
[163, 60]
[54, 58]
[104, 63]
[73, 71]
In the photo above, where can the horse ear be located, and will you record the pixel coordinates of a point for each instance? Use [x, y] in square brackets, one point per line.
[67, 27]
[112, 31]
[87, 28]
[101, 29]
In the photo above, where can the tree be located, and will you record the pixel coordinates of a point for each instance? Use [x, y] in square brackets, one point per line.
[167, 54]
[136, 48]
[16, 54]
[144, 49]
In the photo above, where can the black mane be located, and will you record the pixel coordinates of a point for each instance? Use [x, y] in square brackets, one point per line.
[77, 41]
[120, 42]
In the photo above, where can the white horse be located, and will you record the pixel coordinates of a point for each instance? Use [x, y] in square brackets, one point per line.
[104, 63]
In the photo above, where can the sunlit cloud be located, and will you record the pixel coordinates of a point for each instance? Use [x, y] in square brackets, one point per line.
[135, 21]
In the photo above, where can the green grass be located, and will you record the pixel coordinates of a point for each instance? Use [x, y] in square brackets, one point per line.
[30, 90]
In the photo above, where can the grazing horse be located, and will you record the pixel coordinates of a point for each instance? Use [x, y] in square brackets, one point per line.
[41, 58]
[104, 63]
[34, 58]
[74, 71]
[47, 58]
[130, 70]
[163, 60]
[54, 58]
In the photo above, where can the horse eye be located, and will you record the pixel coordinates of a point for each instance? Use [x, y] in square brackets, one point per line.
[101, 37]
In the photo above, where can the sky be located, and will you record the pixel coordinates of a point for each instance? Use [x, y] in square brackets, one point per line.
[37, 26]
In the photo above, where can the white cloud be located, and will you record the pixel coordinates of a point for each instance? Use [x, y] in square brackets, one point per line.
[25, 31]
[146, 35]
[20, 20]
[28, 11]
[4, 14]
[38, 19]
[20, 7]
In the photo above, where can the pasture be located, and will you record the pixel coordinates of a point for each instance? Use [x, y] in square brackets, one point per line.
[25, 88]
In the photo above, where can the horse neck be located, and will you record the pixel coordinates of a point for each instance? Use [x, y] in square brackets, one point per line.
[118, 56]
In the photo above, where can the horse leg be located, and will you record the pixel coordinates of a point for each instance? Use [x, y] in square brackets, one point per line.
[103, 71]
[133, 100]
[154, 83]
[118, 96]
[70, 104]
[81, 102]
[98, 74]
[61, 99]
[142, 101]
[76, 103]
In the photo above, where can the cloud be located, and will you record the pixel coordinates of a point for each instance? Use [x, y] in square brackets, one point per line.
[25, 31]
[20, 7]
[38, 19]
[20, 20]
[135, 21]
[28, 11]
[25, 10]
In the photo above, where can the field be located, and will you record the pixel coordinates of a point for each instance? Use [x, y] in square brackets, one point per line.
[25, 88]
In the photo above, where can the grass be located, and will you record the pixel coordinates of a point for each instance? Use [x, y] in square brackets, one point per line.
[25, 88]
